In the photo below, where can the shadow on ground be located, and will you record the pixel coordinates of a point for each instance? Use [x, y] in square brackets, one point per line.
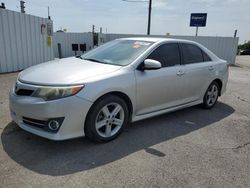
[67, 157]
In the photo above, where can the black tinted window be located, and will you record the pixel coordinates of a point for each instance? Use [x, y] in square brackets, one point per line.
[191, 54]
[206, 57]
[167, 54]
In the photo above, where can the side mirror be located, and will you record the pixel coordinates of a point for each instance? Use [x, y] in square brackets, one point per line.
[150, 64]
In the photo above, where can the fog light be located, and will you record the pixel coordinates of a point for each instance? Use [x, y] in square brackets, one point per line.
[53, 125]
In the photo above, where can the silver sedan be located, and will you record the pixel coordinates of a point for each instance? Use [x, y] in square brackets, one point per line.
[122, 81]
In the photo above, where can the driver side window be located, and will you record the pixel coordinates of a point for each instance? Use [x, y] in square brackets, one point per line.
[167, 54]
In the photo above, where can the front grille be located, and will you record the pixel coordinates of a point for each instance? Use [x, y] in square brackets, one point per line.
[34, 122]
[24, 92]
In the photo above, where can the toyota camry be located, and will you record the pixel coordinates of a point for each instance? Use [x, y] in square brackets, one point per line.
[125, 80]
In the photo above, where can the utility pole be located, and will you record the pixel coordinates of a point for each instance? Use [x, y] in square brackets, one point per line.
[22, 6]
[48, 13]
[149, 16]
[235, 33]
[149, 10]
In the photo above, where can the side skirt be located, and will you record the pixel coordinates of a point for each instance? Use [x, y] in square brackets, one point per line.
[171, 109]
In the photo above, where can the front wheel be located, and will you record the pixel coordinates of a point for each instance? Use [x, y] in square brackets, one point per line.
[106, 119]
[211, 95]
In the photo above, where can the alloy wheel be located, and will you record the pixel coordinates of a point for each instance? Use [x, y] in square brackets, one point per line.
[212, 95]
[109, 120]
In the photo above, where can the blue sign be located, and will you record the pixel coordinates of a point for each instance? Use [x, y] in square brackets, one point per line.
[198, 20]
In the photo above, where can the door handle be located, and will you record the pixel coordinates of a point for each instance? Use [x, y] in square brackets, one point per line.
[210, 68]
[180, 73]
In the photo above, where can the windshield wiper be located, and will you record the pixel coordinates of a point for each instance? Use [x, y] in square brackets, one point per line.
[94, 60]
[78, 56]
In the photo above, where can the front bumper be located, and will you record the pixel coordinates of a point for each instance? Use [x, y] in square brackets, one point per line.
[74, 110]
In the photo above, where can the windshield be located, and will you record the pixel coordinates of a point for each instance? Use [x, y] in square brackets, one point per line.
[117, 52]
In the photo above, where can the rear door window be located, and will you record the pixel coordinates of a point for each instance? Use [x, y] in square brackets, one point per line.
[206, 57]
[167, 54]
[191, 54]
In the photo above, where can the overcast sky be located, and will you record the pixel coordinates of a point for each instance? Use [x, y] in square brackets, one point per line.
[168, 16]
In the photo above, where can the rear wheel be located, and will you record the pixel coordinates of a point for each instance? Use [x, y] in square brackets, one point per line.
[211, 95]
[106, 119]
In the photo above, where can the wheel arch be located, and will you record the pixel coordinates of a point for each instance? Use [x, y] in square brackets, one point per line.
[120, 94]
[125, 97]
[219, 82]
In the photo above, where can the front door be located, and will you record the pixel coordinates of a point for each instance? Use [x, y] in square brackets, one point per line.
[162, 88]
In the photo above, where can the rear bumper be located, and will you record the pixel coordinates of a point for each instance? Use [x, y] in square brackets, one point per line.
[73, 109]
[224, 82]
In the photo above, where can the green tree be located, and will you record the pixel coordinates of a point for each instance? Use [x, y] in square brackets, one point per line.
[245, 46]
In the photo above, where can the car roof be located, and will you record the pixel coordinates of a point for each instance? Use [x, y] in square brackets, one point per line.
[154, 39]
[161, 39]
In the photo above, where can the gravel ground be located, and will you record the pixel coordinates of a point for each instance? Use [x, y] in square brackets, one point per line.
[188, 148]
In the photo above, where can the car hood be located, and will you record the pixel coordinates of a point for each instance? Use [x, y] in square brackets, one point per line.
[65, 71]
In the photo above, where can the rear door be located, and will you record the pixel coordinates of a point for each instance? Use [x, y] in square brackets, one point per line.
[162, 88]
[198, 69]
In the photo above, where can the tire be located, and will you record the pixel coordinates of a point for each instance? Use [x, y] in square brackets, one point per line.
[106, 119]
[211, 96]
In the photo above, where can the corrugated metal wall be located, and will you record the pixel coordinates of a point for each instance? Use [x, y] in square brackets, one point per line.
[21, 42]
[223, 47]
[67, 39]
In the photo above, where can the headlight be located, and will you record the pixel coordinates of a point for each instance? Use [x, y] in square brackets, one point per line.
[51, 93]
